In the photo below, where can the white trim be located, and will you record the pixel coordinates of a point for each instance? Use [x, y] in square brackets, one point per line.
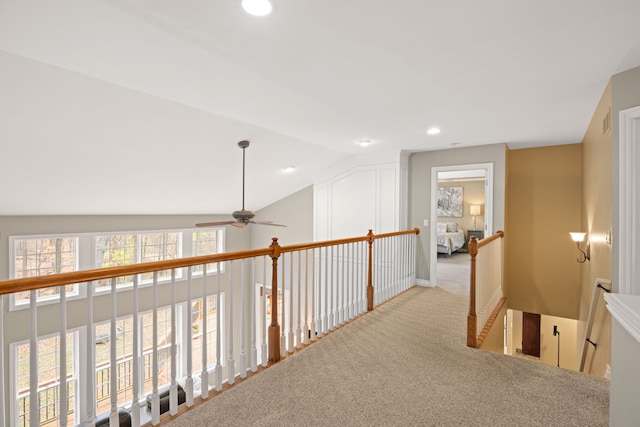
[488, 207]
[625, 309]
[629, 202]
[425, 283]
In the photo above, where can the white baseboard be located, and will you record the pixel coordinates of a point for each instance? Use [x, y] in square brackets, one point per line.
[426, 283]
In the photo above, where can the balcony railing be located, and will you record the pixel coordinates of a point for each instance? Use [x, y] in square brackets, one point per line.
[263, 305]
[486, 296]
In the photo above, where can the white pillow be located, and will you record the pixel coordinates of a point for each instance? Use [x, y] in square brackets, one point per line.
[452, 227]
[441, 227]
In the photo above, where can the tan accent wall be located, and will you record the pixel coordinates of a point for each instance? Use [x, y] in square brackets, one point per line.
[543, 205]
[596, 220]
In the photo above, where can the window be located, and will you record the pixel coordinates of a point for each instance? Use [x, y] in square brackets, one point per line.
[126, 249]
[34, 257]
[207, 242]
[197, 316]
[124, 363]
[113, 251]
[48, 381]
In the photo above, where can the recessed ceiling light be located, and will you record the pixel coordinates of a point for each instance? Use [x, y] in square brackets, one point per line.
[364, 142]
[433, 131]
[289, 169]
[257, 7]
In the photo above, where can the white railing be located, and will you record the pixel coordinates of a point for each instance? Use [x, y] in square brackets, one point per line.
[312, 290]
[486, 287]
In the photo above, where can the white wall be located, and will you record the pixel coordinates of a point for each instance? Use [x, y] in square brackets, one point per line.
[361, 196]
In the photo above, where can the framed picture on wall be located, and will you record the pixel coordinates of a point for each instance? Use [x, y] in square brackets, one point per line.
[450, 202]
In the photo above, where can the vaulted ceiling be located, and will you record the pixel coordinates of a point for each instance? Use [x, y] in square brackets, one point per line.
[118, 107]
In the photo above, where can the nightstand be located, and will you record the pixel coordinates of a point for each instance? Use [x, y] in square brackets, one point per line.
[478, 233]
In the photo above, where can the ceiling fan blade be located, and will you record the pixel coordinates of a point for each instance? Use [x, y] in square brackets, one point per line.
[213, 224]
[268, 223]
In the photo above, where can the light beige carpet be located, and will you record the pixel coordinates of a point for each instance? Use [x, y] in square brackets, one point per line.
[406, 363]
[453, 271]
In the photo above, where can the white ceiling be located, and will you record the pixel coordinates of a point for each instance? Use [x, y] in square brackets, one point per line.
[111, 106]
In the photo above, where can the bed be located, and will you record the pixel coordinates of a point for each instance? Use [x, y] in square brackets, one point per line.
[450, 237]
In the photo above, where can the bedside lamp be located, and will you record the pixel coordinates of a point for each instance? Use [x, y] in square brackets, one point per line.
[474, 210]
[578, 237]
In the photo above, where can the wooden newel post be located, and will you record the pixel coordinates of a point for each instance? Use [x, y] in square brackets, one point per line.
[274, 328]
[370, 272]
[472, 319]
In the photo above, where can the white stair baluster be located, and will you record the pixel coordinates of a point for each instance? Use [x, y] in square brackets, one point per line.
[331, 284]
[135, 368]
[2, 394]
[339, 284]
[173, 389]
[63, 402]
[34, 398]
[252, 316]
[299, 308]
[188, 385]
[353, 283]
[321, 314]
[283, 314]
[263, 313]
[305, 328]
[243, 321]
[114, 418]
[231, 365]
[291, 297]
[325, 311]
[312, 327]
[204, 375]
[344, 307]
[362, 279]
[155, 397]
[218, 374]
[90, 388]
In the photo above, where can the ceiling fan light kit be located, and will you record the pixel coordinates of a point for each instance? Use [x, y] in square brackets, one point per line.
[242, 217]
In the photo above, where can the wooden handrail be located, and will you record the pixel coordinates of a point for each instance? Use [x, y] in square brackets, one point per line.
[315, 245]
[62, 279]
[483, 242]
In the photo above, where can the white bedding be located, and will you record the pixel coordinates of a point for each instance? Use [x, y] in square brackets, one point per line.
[451, 241]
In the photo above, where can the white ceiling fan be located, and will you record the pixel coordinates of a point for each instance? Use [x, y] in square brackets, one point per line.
[243, 217]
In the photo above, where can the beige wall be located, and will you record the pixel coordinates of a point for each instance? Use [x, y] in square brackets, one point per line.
[568, 342]
[294, 211]
[596, 220]
[544, 204]
[420, 165]
[473, 194]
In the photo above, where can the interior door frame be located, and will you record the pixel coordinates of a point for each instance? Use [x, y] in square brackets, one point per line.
[488, 207]
[628, 230]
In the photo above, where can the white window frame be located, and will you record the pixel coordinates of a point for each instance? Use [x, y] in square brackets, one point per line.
[13, 385]
[85, 258]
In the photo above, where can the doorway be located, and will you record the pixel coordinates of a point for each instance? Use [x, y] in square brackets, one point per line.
[482, 171]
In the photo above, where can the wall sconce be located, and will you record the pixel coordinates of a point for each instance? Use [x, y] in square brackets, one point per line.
[579, 238]
[474, 210]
